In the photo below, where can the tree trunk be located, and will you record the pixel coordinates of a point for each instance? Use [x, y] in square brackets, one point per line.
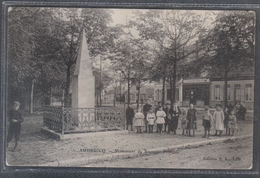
[174, 81]
[138, 95]
[31, 98]
[62, 99]
[100, 97]
[128, 88]
[163, 91]
[170, 79]
[225, 89]
[120, 90]
[100, 101]
[67, 89]
[97, 99]
[50, 96]
[115, 96]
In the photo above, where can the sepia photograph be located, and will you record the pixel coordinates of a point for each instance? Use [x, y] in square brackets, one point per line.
[130, 88]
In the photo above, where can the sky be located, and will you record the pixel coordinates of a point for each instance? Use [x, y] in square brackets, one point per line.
[120, 15]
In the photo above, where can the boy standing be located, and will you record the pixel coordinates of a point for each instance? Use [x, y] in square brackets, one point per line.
[130, 114]
[168, 117]
[206, 122]
[15, 119]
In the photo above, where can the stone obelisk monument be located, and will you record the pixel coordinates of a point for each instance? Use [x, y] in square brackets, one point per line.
[83, 82]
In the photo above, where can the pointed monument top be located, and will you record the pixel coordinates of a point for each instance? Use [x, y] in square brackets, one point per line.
[83, 64]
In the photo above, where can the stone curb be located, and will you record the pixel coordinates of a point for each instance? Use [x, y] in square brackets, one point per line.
[107, 157]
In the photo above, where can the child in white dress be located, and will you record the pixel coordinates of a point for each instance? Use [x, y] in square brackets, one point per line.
[150, 120]
[160, 114]
[218, 118]
[139, 120]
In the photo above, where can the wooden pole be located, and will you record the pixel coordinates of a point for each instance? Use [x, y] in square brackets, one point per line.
[31, 97]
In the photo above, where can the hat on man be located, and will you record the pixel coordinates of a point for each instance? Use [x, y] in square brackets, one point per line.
[218, 105]
[167, 103]
[16, 103]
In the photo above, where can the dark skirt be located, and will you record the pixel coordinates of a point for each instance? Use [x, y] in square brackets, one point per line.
[206, 124]
[191, 124]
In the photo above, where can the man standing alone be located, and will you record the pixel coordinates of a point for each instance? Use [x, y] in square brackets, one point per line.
[146, 109]
[175, 112]
[130, 114]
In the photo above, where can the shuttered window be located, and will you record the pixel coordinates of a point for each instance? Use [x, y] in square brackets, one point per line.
[237, 92]
[217, 93]
[228, 92]
[248, 92]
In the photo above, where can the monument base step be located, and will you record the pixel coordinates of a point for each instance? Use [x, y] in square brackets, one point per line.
[59, 136]
[51, 133]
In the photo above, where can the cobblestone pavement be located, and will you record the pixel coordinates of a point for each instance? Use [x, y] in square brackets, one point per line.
[36, 149]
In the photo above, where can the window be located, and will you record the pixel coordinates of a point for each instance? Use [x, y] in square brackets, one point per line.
[217, 92]
[150, 96]
[228, 92]
[132, 97]
[143, 97]
[237, 92]
[249, 92]
[158, 94]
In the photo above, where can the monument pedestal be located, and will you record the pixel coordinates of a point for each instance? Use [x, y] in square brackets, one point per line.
[83, 92]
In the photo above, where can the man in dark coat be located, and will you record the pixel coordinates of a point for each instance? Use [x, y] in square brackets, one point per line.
[242, 111]
[174, 112]
[130, 114]
[15, 120]
[146, 109]
[168, 117]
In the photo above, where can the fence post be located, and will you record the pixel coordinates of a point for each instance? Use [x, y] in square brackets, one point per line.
[62, 120]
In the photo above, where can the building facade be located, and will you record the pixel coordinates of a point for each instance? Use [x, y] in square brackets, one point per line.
[201, 92]
[239, 90]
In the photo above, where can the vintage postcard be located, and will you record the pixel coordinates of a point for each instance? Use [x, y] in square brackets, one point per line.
[130, 88]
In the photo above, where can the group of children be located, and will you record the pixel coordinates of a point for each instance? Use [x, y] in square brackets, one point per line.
[220, 120]
[151, 119]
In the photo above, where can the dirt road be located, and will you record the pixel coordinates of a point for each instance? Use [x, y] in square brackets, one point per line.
[226, 155]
